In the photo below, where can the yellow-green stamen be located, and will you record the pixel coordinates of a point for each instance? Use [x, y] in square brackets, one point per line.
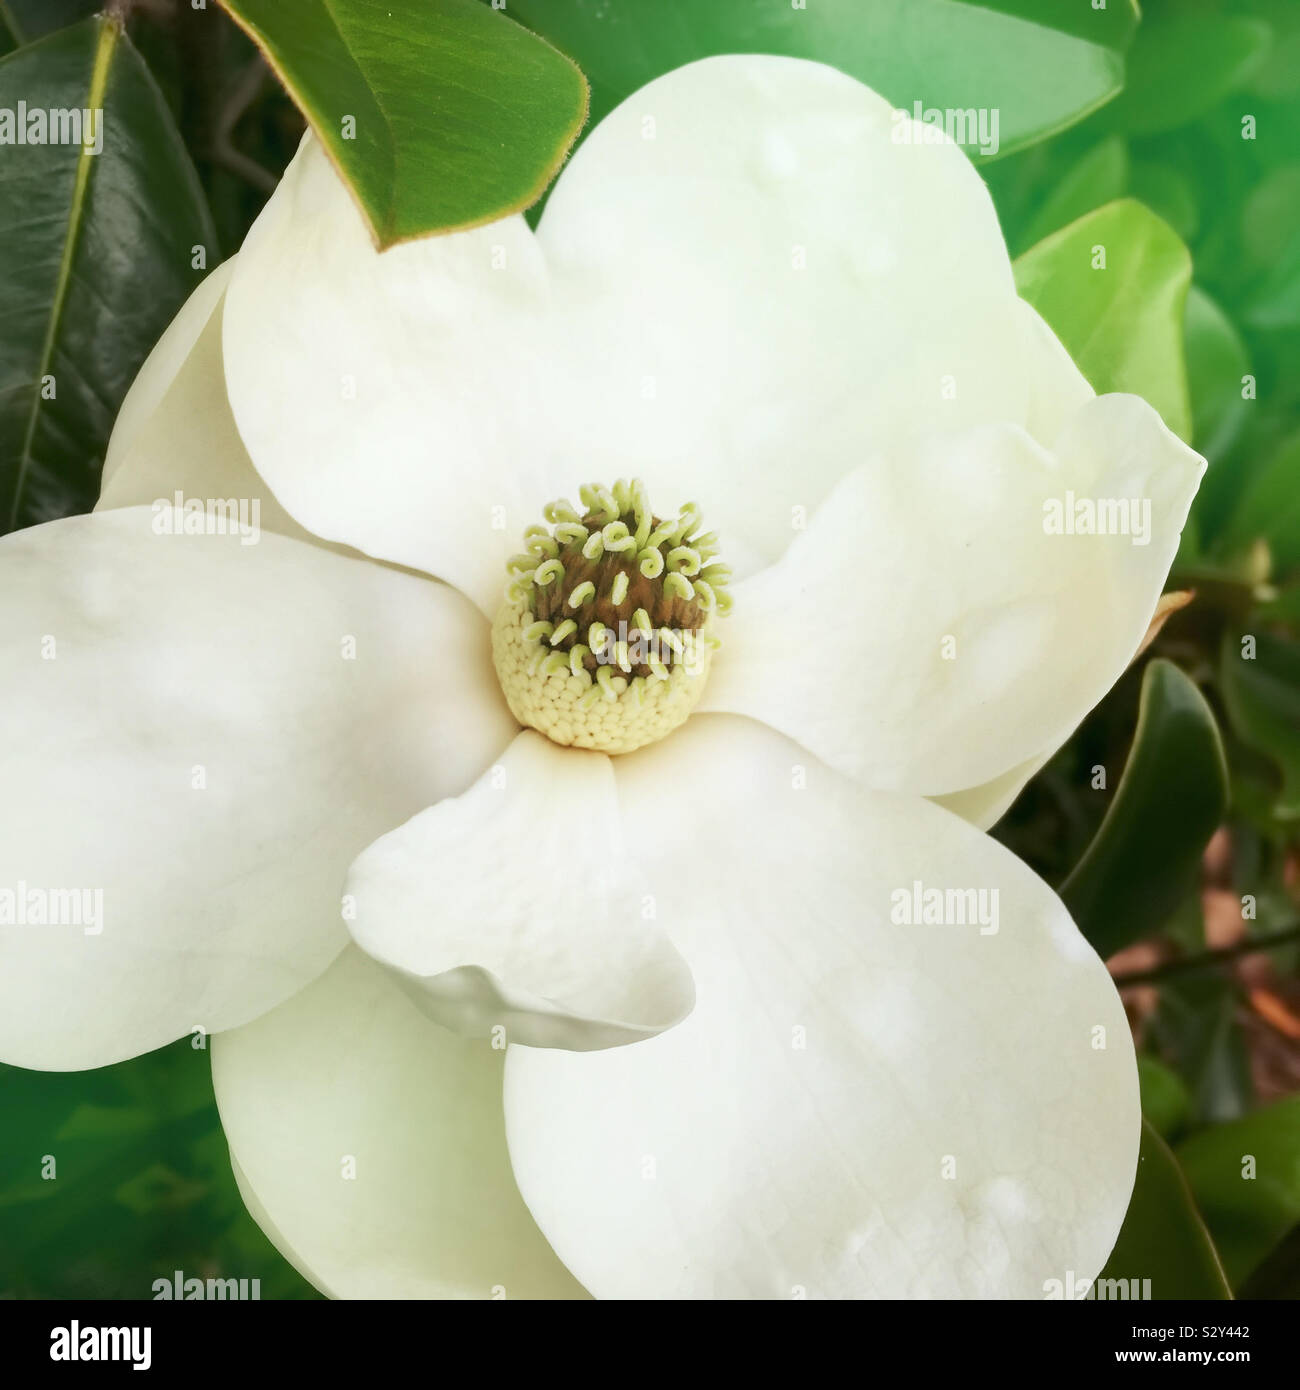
[603, 639]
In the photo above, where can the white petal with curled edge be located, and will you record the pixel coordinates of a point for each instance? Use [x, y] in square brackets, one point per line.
[203, 735]
[933, 627]
[860, 1105]
[175, 433]
[170, 352]
[370, 1147]
[516, 907]
[741, 270]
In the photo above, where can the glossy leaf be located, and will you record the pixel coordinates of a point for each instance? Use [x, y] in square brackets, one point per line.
[1278, 1277]
[1040, 64]
[1163, 1238]
[1196, 1028]
[98, 256]
[1113, 287]
[1260, 680]
[440, 114]
[1170, 800]
[1183, 65]
[1270, 508]
[1246, 1179]
[1216, 364]
[1098, 177]
[29, 20]
[1165, 1101]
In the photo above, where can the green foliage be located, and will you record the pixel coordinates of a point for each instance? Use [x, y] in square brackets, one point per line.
[1174, 143]
[1144, 860]
[1040, 66]
[1163, 1238]
[1112, 286]
[99, 251]
[114, 1178]
[441, 114]
[1246, 1179]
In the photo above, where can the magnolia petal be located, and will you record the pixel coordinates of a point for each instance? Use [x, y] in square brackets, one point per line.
[857, 1106]
[742, 269]
[390, 400]
[370, 1148]
[181, 438]
[985, 805]
[169, 355]
[929, 631]
[206, 733]
[776, 277]
[515, 907]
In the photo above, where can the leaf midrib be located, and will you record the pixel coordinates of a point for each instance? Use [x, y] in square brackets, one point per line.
[109, 32]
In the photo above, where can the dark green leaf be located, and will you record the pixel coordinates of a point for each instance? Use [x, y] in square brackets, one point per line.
[1170, 800]
[1246, 1179]
[10, 33]
[441, 114]
[34, 19]
[1040, 66]
[1120, 318]
[98, 258]
[1279, 1275]
[1163, 1238]
[1165, 1101]
[1262, 693]
[1196, 1028]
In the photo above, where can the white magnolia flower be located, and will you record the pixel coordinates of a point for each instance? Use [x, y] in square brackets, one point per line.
[747, 1059]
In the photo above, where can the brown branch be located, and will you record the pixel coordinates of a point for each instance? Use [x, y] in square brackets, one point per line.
[1208, 960]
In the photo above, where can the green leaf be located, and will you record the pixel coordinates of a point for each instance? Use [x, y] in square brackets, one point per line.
[1262, 694]
[1163, 1237]
[1170, 800]
[440, 114]
[1182, 66]
[1216, 363]
[1278, 1277]
[1196, 1028]
[1246, 1179]
[1275, 303]
[1269, 508]
[1169, 193]
[1099, 176]
[10, 34]
[98, 251]
[1165, 1101]
[1121, 319]
[1040, 66]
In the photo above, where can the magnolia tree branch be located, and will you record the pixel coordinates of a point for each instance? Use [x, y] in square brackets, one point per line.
[1208, 960]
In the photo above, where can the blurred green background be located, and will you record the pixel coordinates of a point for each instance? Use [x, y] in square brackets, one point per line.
[1170, 822]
